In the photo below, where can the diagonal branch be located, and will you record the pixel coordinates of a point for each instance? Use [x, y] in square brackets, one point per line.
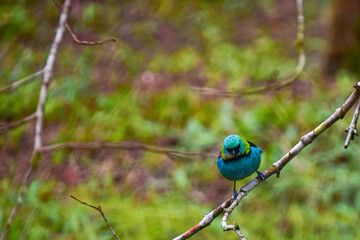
[229, 205]
[283, 82]
[120, 145]
[21, 82]
[19, 201]
[76, 39]
[7, 126]
[98, 208]
[207, 219]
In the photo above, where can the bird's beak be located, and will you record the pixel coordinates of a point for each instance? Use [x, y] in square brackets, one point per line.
[233, 152]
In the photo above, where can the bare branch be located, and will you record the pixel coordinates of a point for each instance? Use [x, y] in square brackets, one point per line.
[351, 130]
[304, 141]
[98, 208]
[13, 213]
[15, 209]
[21, 82]
[229, 205]
[7, 126]
[47, 71]
[75, 38]
[283, 82]
[120, 145]
[207, 219]
[234, 227]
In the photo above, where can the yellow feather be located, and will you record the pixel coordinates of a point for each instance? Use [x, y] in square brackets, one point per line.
[222, 154]
[247, 146]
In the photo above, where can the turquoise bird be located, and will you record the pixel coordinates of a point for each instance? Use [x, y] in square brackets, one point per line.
[239, 159]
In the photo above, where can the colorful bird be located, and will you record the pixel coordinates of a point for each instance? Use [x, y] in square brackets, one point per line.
[239, 159]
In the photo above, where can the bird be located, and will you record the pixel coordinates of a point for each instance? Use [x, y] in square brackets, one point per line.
[239, 159]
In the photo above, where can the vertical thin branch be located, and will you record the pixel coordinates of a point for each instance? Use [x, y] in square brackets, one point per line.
[351, 130]
[300, 36]
[18, 203]
[48, 71]
[280, 83]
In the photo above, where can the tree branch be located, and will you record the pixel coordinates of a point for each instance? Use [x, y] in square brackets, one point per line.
[229, 205]
[281, 82]
[207, 219]
[351, 130]
[76, 39]
[304, 141]
[21, 82]
[15, 209]
[119, 145]
[47, 71]
[98, 208]
[7, 126]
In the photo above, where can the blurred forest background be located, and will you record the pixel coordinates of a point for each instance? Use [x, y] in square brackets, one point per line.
[138, 89]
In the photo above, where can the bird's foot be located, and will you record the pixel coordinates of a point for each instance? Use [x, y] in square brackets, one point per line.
[235, 194]
[260, 176]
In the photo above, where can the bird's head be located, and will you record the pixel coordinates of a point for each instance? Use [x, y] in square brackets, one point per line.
[234, 146]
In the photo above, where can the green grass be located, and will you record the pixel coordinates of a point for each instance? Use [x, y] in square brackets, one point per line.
[139, 89]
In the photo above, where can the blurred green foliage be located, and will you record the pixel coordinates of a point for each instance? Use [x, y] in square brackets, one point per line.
[138, 89]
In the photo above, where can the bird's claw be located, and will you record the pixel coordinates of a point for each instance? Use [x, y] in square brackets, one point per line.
[235, 194]
[260, 176]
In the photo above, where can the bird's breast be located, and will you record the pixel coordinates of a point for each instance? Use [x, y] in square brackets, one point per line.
[239, 168]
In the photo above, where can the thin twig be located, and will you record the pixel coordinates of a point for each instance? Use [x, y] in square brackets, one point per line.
[98, 208]
[21, 82]
[351, 130]
[228, 206]
[283, 82]
[120, 145]
[48, 69]
[15, 209]
[48, 72]
[7, 126]
[207, 219]
[76, 39]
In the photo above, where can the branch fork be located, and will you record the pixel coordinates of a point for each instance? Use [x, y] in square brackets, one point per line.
[351, 130]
